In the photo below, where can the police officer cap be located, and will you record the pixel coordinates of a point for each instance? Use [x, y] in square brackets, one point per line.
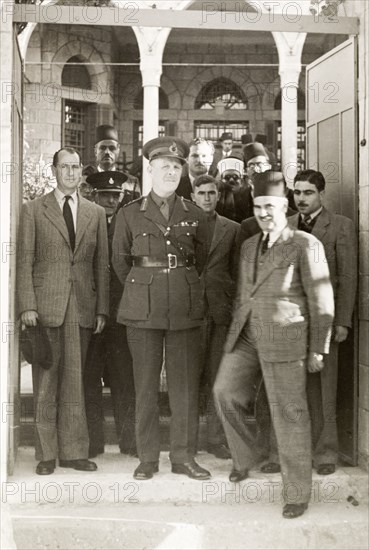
[166, 147]
[105, 131]
[107, 181]
[226, 135]
[269, 183]
[253, 150]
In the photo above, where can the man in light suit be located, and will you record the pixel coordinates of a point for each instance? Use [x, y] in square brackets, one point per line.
[337, 235]
[63, 284]
[199, 161]
[219, 278]
[281, 324]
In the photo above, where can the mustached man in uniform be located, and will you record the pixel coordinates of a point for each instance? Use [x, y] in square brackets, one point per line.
[159, 251]
[108, 352]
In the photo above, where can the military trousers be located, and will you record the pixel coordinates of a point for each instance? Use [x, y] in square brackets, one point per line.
[60, 417]
[108, 353]
[182, 352]
[285, 384]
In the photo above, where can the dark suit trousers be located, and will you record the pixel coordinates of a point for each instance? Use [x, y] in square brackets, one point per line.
[182, 363]
[214, 337]
[286, 390]
[109, 352]
[322, 396]
[60, 419]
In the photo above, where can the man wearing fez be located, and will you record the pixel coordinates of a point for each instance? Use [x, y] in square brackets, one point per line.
[337, 236]
[63, 284]
[108, 352]
[225, 150]
[199, 161]
[159, 251]
[281, 325]
[235, 202]
[107, 150]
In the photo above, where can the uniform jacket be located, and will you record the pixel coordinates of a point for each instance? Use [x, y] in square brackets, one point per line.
[156, 297]
[220, 271]
[289, 303]
[48, 269]
[337, 234]
[116, 288]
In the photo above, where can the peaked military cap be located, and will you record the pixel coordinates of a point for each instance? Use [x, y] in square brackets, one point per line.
[107, 181]
[253, 150]
[226, 135]
[269, 183]
[105, 131]
[166, 147]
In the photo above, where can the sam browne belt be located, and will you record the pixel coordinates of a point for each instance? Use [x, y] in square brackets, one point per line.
[170, 262]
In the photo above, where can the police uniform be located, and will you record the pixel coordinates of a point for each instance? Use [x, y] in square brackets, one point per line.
[159, 262]
[108, 352]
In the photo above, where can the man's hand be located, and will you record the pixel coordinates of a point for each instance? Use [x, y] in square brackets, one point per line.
[29, 318]
[315, 362]
[100, 321]
[340, 333]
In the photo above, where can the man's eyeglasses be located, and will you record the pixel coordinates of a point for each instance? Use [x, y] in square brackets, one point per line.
[258, 164]
[228, 178]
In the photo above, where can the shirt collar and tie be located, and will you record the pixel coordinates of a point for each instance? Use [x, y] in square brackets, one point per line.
[68, 205]
[165, 204]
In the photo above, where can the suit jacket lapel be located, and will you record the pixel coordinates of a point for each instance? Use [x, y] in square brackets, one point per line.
[293, 221]
[54, 214]
[272, 258]
[219, 233]
[320, 226]
[83, 219]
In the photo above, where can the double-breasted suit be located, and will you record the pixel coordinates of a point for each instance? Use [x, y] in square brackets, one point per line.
[219, 278]
[67, 289]
[284, 309]
[162, 301]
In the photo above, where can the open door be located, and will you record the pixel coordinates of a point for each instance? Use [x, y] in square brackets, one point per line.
[331, 135]
[14, 406]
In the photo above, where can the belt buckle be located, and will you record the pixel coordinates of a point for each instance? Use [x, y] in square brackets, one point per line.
[172, 261]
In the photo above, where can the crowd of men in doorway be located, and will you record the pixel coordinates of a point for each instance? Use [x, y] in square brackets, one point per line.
[231, 280]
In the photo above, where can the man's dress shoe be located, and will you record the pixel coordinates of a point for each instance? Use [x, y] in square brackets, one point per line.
[325, 469]
[81, 464]
[191, 469]
[45, 467]
[132, 451]
[220, 451]
[291, 511]
[270, 468]
[236, 476]
[145, 470]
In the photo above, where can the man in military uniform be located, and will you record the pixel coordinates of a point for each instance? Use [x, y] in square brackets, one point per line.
[108, 352]
[107, 151]
[159, 250]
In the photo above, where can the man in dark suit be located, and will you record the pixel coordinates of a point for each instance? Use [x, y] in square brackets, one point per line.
[159, 251]
[219, 278]
[108, 352]
[337, 236]
[199, 160]
[107, 151]
[224, 151]
[63, 284]
[281, 325]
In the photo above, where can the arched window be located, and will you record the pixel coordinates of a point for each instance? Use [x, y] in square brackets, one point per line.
[163, 100]
[76, 76]
[300, 101]
[221, 91]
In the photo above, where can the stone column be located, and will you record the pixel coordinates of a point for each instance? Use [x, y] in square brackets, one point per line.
[151, 42]
[289, 47]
